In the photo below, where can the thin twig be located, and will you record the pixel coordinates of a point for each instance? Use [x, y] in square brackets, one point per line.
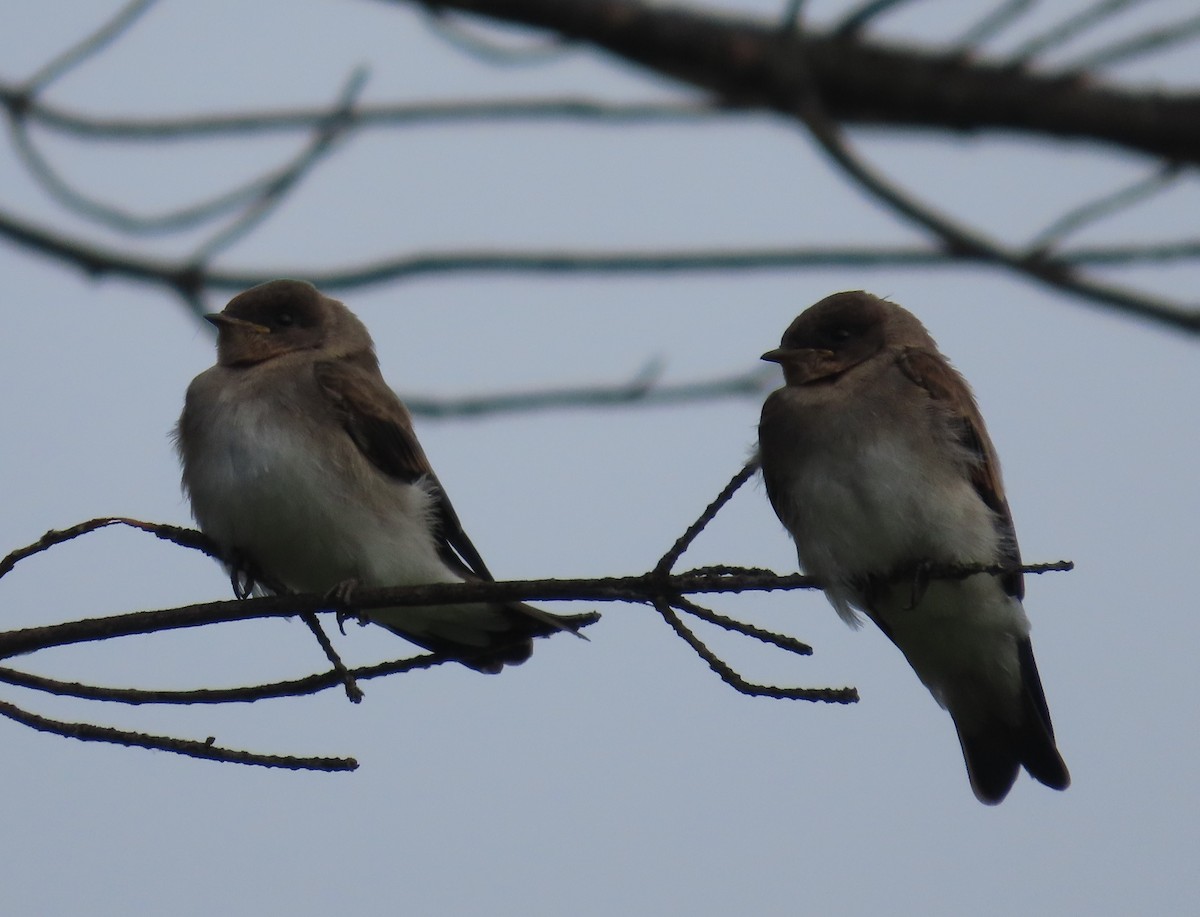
[622, 394]
[88, 47]
[668, 560]
[184, 537]
[783, 641]
[332, 128]
[1121, 199]
[353, 691]
[858, 19]
[992, 24]
[741, 685]
[448, 28]
[1074, 25]
[206, 750]
[126, 221]
[295, 687]
[1127, 49]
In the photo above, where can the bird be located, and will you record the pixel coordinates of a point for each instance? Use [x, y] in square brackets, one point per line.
[301, 464]
[876, 460]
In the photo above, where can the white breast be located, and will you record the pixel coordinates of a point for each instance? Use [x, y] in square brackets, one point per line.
[311, 517]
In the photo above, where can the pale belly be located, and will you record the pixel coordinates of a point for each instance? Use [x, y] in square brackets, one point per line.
[310, 521]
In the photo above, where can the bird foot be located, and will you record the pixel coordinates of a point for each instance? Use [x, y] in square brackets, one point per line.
[241, 574]
[341, 596]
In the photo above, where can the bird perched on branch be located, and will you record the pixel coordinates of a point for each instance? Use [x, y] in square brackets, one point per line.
[302, 463]
[876, 459]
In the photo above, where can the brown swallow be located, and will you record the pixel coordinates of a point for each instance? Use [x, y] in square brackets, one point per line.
[876, 459]
[301, 462]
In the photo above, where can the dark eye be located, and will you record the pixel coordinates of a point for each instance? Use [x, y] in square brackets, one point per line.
[285, 319]
[839, 335]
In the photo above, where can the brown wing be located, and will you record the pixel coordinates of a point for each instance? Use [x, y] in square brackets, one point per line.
[381, 427]
[950, 391]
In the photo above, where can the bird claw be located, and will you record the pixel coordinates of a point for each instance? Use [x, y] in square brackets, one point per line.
[341, 596]
[241, 575]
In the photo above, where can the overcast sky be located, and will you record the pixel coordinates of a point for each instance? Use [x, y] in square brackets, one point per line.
[616, 776]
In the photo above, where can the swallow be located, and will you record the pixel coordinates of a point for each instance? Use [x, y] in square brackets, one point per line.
[877, 461]
[301, 463]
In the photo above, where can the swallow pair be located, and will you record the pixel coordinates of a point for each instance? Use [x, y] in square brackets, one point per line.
[302, 464]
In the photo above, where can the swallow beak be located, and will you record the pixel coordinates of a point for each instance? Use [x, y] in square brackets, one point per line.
[221, 320]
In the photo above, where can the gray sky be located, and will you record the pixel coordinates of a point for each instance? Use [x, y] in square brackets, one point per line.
[617, 776]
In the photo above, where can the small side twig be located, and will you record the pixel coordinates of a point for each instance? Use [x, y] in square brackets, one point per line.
[274, 191]
[783, 641]
[448, 28]
[741, 685]
[1095, 210]
[668, 560]
[90, 46]
[1071, 27]
[1125, 50]
[208, 750]
[353, 691]
[296, 687]
[992, 24]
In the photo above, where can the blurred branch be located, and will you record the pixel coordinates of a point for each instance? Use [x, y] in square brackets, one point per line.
[1127, 49]
[992, 24]
[643, 390]
[859, 18]
[331, 128]
[1071, 27]
[748, 62]
[958, 236]
[89, 47]
[1114, 202]
[97, 261]
[363, 117]
[448, 28]
[739, 64]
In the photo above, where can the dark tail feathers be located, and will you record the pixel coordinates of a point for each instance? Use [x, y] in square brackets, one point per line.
[995, 751]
